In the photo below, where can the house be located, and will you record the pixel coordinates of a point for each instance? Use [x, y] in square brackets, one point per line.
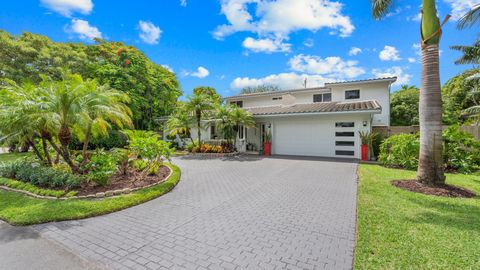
[321, 121]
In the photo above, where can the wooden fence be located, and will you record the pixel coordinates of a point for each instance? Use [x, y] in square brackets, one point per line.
[392, 130]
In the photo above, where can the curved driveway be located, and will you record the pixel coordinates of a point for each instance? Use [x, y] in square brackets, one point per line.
[235, 213]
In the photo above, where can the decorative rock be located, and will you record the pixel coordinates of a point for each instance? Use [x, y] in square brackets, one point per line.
[90, 196]
[109, 193]
[100, 195]
[126, 190]
[117, 192]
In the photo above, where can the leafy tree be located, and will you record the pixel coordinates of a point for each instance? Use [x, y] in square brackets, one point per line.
[404, 106]
[209, 91]
[458, 95]
[430, 168]
[260, 89]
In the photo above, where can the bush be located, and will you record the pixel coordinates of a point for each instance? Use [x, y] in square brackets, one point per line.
[461, 150]
[154, 167]
[39, 175]
[400, 150]
[225, 147]
[139, 164]
[115, 139]
[190, 146]
[101, 166]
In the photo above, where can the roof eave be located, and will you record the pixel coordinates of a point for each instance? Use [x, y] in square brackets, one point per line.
[376, 111]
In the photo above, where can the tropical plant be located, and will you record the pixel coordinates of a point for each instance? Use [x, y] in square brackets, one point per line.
[199, 105]
[470, 18]
[400, 150]
[459, 94]
[181, 122]
[368, 138]
[404, 106]
[240, 118]
[430, 169]
[208, 91]
[147, 146]
[260, 89]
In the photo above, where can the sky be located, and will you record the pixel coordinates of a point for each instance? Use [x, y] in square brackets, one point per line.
[231, 44]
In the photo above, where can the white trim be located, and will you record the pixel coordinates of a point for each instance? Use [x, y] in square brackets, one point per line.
[316, 113]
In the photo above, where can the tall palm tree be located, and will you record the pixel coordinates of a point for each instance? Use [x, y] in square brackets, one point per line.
[223, 121]
[470, 18]
[430, 168]
[199, 105]
[181, 122]
[100, 106]
[240, 118]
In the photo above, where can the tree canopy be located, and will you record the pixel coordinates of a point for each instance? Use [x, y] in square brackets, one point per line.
[153, 89]
[260, 89]
[457, 96]
[404, 106]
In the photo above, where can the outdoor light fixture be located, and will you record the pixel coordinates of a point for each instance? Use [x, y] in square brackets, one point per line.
[364, 123]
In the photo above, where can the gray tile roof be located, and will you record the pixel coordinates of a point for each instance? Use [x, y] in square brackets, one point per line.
[320, 107]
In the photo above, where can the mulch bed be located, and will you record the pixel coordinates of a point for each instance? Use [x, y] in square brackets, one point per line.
[441, 190]
[130, 180]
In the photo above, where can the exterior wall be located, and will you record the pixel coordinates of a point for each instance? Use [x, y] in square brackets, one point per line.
[314, 135]
[379, 91]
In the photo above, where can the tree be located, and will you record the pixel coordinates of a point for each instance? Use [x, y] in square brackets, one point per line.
[181, 121]
[240, 118]
[430, 168]
[458, 96]
[404, 106]
[224, 123]
[470, 18]
[208, 91]
[260, 89]
[199, 105]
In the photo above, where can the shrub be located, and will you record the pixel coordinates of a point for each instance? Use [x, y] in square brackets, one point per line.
[139, 164]
[101, 166]
[154, 167]
[190, 146]
[461, 150]
[400, 150]
[114, 139]
[39, 175]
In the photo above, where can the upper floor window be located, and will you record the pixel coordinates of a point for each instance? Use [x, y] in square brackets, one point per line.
[325, 97]
[352, 94]
[239, 103]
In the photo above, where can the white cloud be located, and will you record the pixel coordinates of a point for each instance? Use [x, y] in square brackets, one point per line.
[183, 3]
[282, 17]
[402, 77]
[149, 32]
[332, 67]
[411, 60]
[389, 53]
[354, 51]
[84, 30]
[283, 80]
[460, 7]
[309, 42]
[266, 45]
[68, 7]
[201, 73]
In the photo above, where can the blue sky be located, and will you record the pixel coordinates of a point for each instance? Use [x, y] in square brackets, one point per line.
[230, 44]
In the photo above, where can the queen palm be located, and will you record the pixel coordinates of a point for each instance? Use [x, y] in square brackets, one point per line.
[181, 122]
[240, 118]
[430, 168]
[223, 121]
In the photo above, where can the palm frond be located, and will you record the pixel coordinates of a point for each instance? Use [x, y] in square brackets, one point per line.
[380, 8]
[470, 18]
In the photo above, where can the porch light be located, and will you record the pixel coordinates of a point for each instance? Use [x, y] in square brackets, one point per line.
[364, 123]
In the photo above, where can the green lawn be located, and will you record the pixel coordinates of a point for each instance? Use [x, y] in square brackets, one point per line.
[20, 209]
[398, 229]
[12, 156]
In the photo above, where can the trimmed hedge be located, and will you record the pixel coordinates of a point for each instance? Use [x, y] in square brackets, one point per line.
[35, 190]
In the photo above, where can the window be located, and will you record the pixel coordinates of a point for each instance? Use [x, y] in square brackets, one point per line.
[344, 124]
[325, 97]
[239, 103]
[352, 94]
[344, 153]
[345, 134]
[277, 98]
[344, 143]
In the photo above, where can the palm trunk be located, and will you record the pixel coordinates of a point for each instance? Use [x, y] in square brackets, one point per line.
[199, 133]
[35, 150]
[65, 155]
[430, 166]
[85, 144]
[48, 162]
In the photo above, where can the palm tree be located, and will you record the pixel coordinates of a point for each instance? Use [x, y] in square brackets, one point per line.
[199, 105]
[470, 18]
[430, 168]
[223, 121]
[240, 118]
[180, 122]
[101, 105]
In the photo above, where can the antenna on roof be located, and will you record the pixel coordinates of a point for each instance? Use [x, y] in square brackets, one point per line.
[305, 83]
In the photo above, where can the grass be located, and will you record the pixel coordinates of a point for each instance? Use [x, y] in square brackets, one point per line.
[8, 157]
[20, 209]
[34, 189]
[398, 229]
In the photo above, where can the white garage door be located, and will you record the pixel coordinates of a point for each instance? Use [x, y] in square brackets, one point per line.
[313, 136]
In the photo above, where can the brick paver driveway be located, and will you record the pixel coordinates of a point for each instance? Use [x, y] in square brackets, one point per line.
[238, 213]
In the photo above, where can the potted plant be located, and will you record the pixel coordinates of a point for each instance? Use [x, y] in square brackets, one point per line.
[267, 145]
[367, 140]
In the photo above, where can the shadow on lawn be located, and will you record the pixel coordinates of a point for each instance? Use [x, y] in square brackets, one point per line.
[457, 213]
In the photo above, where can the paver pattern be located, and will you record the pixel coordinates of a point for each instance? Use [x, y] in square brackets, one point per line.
[231, 213]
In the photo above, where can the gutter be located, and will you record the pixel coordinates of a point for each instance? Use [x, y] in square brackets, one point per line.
[316, 113]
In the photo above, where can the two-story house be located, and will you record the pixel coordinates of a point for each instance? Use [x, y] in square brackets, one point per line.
[321, 121]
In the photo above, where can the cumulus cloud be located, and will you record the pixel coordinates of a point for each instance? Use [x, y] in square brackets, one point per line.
[183, 3]
[282, 17]
[354, 51]
[411, 60]
[84, 30]
[149, 32]
[308, 42]
[389, 53]
[332, 67]
[288, 80]
[402, 77]
[68, 7]
[266, 45]
[201, 73]
[460, 7]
